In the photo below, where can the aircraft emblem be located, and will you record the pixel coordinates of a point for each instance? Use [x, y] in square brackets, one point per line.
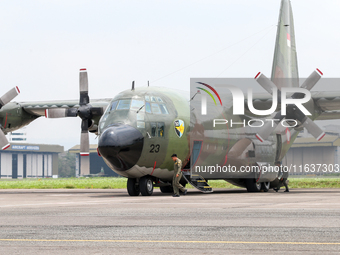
[179, 127]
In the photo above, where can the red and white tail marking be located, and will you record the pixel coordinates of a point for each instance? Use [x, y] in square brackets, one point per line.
[289, 44]
[84, 154]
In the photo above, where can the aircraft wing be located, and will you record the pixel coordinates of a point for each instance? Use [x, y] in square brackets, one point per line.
[261, 101]
[329, 103]
[38, 108]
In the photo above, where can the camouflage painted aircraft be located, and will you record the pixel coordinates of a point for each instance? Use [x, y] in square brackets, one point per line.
[139, 129]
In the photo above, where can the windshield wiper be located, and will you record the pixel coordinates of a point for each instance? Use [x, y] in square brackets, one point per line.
[140, 108]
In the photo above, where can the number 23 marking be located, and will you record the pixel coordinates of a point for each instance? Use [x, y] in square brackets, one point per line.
[154, 148]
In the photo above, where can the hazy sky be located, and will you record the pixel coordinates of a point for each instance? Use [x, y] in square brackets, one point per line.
[44, 43]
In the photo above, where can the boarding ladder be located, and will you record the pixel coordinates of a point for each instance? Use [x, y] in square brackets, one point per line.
[197, 181]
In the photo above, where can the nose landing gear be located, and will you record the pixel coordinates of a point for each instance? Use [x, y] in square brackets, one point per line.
[144, 186]
[133, 187]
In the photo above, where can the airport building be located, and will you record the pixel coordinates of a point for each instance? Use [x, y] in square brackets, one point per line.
[18, 136]
[307, 153]
[22, 160]
[97, 164]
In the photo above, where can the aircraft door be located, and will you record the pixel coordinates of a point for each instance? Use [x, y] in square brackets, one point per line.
[196, 151]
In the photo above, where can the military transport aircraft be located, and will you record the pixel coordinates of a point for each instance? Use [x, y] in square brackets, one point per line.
[139, 129]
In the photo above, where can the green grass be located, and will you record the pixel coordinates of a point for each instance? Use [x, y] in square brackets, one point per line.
[65, 183]
[305, 183]
[120, 183]
[309, 183]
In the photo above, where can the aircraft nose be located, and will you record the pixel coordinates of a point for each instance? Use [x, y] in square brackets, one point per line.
[121, 146]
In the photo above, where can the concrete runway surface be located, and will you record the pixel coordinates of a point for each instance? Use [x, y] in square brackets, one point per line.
[304, 221]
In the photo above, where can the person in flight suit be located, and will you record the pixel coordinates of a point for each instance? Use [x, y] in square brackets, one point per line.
[282, 179]
[177, 176]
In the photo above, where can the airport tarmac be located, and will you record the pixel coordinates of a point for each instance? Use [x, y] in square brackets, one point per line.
[224, 222]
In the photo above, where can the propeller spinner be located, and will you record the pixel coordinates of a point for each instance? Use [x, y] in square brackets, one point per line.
[86, 112]
[291, 110]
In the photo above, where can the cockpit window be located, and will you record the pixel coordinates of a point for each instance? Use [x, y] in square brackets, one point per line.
[155, 105]
[137, 104]
[153, 129]
[113, 106]
[155, 108]
[160, 126]
[124, 104]
[157, 129]
[148, 107]
[163, 109]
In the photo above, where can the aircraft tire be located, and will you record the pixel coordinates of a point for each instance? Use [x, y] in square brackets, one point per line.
[253, 186]
[132, 188]
[265, 186]
[146, 186]
[166, 189]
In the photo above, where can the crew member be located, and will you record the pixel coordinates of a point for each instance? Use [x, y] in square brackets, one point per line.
[177, 176]
[283, 178]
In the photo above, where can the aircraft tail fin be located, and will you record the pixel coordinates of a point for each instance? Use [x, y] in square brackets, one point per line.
[285, 58]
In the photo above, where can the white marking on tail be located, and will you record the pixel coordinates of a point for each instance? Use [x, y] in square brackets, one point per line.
[289, 44]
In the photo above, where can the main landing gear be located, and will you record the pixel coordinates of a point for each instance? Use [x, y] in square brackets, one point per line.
[253, 186]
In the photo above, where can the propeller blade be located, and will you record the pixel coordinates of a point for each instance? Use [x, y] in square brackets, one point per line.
[4, 144]
[269, 127]
[309, 83]
[265, 83]
[313, 129]
[267, 130]
[84, 165]
[5, 99]
[83, 87]
[84, 138]
[312, 80]
[84, 149]
[60, 113]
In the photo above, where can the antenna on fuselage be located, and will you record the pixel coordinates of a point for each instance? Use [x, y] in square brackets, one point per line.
[133, 85]
[198, 92]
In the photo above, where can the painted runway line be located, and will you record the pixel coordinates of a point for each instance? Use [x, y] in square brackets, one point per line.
[164, 241]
